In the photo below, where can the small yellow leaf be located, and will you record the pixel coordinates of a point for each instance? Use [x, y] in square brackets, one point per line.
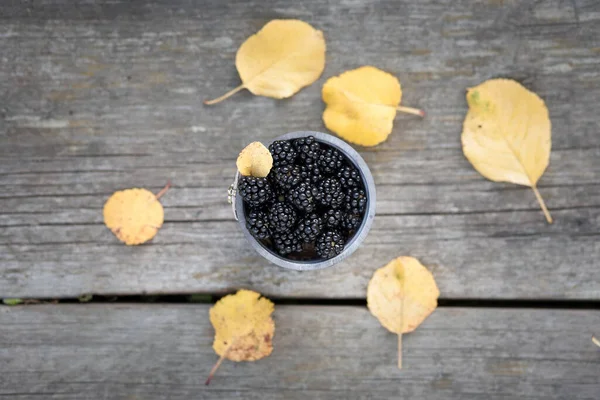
[243, 326]
[401, 295]
[506, 134]
[134, 215]
[362, 105]
[279, 60]
[255, 160]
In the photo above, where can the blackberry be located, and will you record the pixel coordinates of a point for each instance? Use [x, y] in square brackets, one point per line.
[304, 196]
[351, 222]
[311, 173]
[257, 224]
[255, 191]
[308, 150]
[329, 244]
[282, 217]
[332, 218]
[349, 177]
[330, 160]
[283, 153]
[330, 193]
[286, 176]
[309, 228]
[356, 201]
[286, 242]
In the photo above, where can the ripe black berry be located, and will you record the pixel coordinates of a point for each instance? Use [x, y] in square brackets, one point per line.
[351, 221]
[309, 228]
[356, 201]
[282, 217]
[311, 173]
[255, 191]
[304, 196]
[332, 218]
[330, 160]
[330, 193]
[308, 150]
[329, 244]
[286, 176]
[257, 224]
[286, 242]
[349, 177]
[283, 153]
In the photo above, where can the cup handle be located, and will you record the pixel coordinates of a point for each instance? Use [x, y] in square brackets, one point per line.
[231, 193]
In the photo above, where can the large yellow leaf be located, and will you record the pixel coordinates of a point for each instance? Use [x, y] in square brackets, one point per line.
[401, 295]
[134, 215]
[279, 60]
[506, 134]
[362, 105]
[243, 326]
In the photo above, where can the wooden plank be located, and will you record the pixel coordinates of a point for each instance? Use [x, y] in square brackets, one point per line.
[500, 255]
[126, 352]
[99, 97]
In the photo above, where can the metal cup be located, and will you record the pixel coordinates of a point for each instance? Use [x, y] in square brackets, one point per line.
[360, 234]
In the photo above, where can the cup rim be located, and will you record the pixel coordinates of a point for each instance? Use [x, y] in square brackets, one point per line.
[361, 232]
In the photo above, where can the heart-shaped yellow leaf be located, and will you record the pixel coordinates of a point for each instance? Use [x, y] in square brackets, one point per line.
[279, 60]
[506, 134]
[401, 295]
[362, 105]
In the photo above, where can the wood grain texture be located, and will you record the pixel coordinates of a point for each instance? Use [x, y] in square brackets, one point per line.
[99, 97]
[146, 352]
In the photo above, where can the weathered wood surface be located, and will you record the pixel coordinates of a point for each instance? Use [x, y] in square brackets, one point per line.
[99, 97]
[146, 352]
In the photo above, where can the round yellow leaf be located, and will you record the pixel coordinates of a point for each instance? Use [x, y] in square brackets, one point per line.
[506, 134]
[255, 160]
[133, 215]
[243, 326]
[361, 105]
[280, 59]
[402, 294]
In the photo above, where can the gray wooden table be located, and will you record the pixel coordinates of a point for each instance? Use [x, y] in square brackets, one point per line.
[98, 97]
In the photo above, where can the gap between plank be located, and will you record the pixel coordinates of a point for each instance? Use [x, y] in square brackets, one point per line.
[207, 298]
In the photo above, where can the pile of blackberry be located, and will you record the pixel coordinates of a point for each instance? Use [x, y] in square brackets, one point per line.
[311, 203]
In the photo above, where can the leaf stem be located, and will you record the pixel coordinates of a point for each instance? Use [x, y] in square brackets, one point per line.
[399, 351]
[226, 95]
[163, 190]
[542, 204]
[402, 282]
[411, 110]
[218, 364]
[596, 341]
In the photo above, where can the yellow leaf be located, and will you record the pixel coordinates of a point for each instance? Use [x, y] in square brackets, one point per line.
[279, 60]
[362, 105]
[134, 215]
[506, 134]
[401, 295]
[255, 160]
[243, 326]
